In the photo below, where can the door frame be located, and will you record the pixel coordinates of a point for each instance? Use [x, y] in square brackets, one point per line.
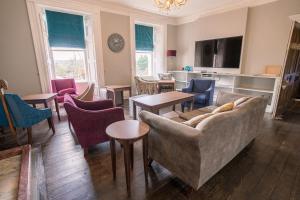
[294, 19]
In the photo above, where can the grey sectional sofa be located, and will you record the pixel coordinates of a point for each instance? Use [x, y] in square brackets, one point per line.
[195, 155]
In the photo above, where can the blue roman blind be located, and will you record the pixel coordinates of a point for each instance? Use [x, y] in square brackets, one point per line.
[143, 38]
[65, 30]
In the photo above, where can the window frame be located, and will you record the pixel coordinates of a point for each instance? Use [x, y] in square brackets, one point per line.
[151, 65]
[51, 49]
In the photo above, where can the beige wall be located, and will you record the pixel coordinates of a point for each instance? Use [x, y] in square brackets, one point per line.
[268, 32]
[117, 66]
[227, 24]
[17, 58]
[171, 45]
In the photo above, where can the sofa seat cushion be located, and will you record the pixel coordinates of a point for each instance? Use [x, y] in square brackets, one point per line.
[201, 111]
[196, 120]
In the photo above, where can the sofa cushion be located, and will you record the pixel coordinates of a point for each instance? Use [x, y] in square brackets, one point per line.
[196, 120]
[189, 115]
[226, 97]
[240, 101]
[224, 108]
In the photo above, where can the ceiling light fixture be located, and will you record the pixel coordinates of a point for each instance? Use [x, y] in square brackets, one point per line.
[167, 4]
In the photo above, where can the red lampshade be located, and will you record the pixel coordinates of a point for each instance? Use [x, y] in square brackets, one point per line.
[171, 53]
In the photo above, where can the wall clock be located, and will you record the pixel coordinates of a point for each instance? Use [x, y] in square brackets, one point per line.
[115, 42]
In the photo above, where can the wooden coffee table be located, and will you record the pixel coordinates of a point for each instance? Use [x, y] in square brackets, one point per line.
[42, 99]
[153, 103]
[127, 132]
[113, 89]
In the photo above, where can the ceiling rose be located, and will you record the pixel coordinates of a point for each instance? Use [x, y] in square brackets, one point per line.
[167, 4]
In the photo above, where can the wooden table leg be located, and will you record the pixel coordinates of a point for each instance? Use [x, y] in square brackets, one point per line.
[192, 104]
[29, 134]
[122, 97]
[155, 111]
[129, 92]
[145, 157]
[131, 155]
[134, 110]
[57, 108]
[126, 147]
[113, 156]
[174, 107]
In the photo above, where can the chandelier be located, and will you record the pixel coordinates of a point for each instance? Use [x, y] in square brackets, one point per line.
[167, 4]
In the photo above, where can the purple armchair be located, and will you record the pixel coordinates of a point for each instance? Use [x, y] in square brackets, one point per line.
[90, 119]
[62, 87]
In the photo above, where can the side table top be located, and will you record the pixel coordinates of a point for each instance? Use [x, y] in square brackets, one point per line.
[127, 130]
[118, 86]
[44, 96]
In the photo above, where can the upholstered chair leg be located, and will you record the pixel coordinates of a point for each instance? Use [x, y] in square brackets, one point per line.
[85, 151]
[29, 134]
[150, 162]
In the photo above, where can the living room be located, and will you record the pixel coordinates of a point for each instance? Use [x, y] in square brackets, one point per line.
[152, 99]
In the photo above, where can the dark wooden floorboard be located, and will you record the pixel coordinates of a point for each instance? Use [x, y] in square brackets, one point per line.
[269, 169]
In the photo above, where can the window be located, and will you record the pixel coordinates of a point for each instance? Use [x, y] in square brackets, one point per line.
[144, 63]
[144, 50]
[69, 63]
[66, 38]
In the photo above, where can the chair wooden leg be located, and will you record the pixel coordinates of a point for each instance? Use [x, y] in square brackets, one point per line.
[29, 134]
[182, 108]
[51, 124]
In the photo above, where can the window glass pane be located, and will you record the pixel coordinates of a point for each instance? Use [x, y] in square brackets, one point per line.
[70, 64]
[144, 63]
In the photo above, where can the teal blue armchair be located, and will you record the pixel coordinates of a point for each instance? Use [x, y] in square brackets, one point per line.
[25, 116]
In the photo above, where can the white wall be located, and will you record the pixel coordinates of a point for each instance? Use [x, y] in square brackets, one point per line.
[171, 45]
[268, 32]
[17, 57]
[227, 24]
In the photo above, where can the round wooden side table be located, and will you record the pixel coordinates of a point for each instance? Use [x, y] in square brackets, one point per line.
[127, 132]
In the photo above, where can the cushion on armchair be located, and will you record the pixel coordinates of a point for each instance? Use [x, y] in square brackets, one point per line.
[67, 91]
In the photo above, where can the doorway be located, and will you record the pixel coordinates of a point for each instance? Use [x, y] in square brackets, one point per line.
[289, 97]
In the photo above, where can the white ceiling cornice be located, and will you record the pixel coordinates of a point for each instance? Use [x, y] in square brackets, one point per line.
[222, 9]
[162, 19]
[128, 11]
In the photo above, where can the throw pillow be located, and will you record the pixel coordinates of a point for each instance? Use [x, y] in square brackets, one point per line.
[66, 91]
[196, 120]
[165, 76]
[224, 108]
[240, 101]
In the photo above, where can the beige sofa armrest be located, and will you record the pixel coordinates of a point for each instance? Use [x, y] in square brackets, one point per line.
[175, 146]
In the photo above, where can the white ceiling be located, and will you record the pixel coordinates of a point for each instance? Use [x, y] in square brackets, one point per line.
[199, 7]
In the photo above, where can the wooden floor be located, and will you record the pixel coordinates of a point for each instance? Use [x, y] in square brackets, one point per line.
[270, 169]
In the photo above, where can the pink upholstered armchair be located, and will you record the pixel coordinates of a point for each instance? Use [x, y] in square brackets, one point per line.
[90, 119]
[62, 87]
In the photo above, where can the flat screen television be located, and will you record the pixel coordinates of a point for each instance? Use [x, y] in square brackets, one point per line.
[219, 53]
